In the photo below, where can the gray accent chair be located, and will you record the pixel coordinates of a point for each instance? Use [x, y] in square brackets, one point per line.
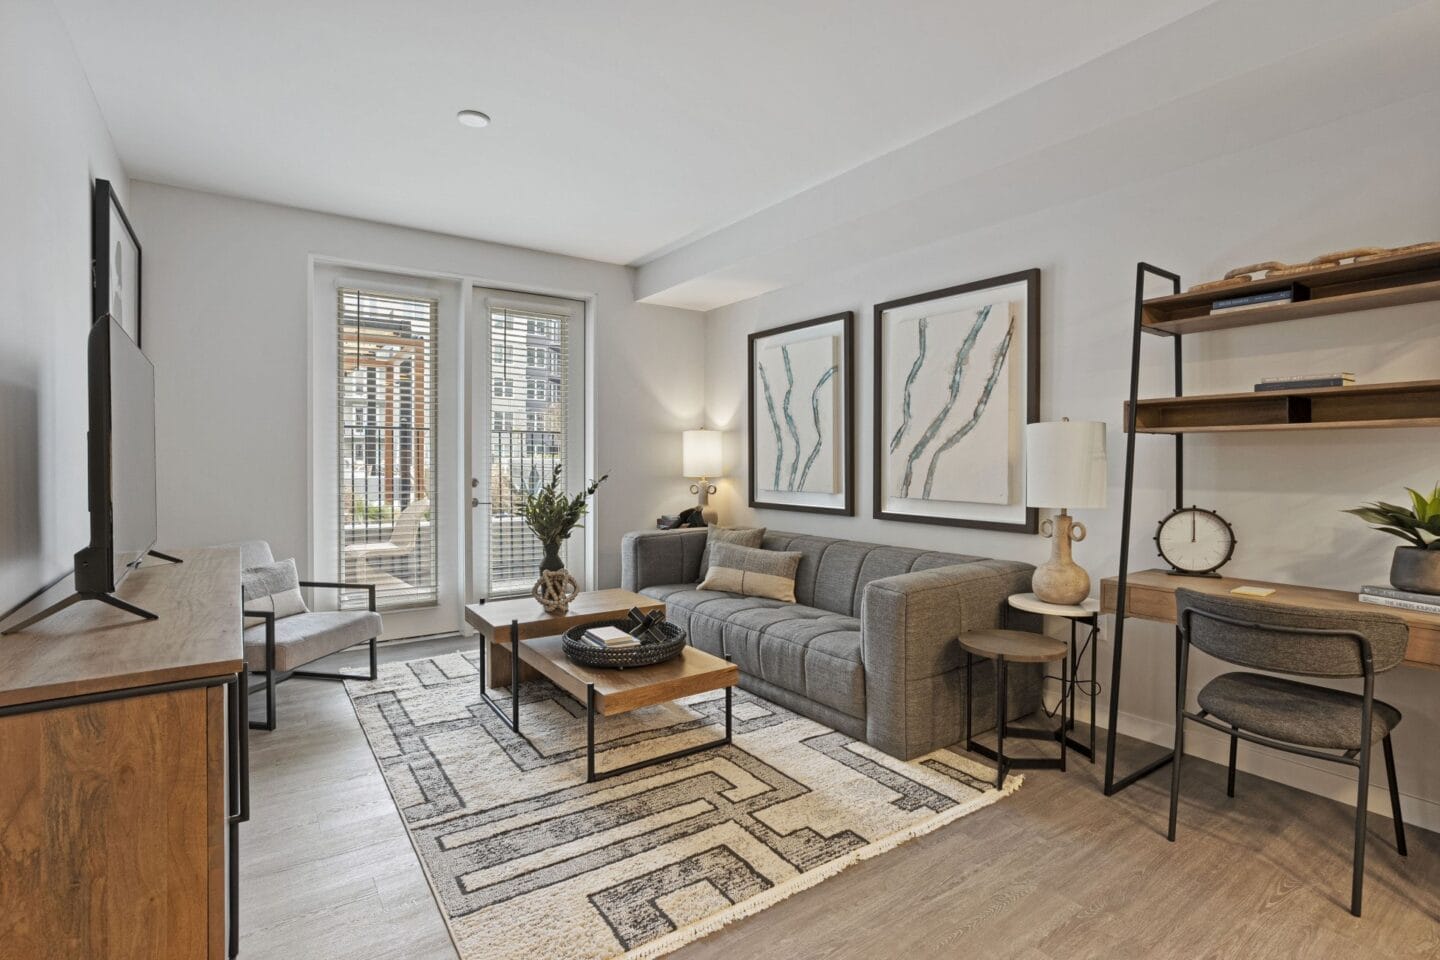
[279, 648]
[869, 649]
[1290, 715]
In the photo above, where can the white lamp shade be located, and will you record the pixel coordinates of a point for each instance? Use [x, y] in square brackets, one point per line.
[1065, 464]
[701, 456]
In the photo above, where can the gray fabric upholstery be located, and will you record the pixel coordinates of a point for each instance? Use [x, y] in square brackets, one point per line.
[872, 637]
[652, 557]
[1295, 712]
[307, 637]
[1304, 654]
[266, 579]
[741, 536]
[253, 553]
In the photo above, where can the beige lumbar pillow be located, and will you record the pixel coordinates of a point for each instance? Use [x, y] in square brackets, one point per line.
[751, 572]
[741, 536]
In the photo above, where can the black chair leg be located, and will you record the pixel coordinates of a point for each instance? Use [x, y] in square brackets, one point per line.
[1362, 796]
[374, 660]
[1394, 797]
[1180, 664]
[1230, 781]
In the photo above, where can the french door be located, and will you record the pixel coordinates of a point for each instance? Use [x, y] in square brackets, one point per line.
[526, 421]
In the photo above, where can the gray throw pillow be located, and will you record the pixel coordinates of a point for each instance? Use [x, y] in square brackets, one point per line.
[274, 587]
[741, 536]
[753, 573]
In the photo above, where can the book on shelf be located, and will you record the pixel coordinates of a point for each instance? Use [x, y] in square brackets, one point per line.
[1308, 384]
[1291, 378]
[1415, 605]
[1295, 293]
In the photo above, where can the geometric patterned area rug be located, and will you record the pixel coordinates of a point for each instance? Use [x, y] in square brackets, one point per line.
[526, 860]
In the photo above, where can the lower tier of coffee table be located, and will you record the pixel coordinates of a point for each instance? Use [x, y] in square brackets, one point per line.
[612, 692]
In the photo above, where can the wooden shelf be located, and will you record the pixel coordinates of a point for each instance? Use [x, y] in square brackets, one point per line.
[1414, 403]
[1368, 285]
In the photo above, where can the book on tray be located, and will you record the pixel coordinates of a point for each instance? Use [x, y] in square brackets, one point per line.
[610, 638]
[1401, 599]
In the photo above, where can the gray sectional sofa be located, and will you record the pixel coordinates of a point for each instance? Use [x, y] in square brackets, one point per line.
[869, 648]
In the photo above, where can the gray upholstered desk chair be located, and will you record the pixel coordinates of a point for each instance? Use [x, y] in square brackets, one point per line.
[1290, 715]
[279, 648]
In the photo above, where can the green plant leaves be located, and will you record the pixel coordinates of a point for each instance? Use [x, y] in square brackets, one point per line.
[551, 514]
[1418, 524]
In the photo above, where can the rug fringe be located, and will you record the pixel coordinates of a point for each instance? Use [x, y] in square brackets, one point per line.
[678, 938]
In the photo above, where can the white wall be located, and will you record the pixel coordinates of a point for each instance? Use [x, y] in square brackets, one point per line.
[53, 145]
[226, 290]
[1367, 179]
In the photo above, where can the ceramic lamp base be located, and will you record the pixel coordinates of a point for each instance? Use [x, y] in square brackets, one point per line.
[1060, 579]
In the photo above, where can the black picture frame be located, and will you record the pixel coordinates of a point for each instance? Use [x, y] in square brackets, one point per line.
[103, 243]
[1031, 279]
[847, 412]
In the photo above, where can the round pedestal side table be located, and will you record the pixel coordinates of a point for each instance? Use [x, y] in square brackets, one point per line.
[1088, 613]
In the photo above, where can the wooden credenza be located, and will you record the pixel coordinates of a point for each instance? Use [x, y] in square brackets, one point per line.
[122, 781]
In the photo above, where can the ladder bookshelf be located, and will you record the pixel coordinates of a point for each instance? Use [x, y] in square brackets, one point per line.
[1349, 288]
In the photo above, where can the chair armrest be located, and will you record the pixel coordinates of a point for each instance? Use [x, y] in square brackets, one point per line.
[909, 624]
[342, 585]
[650, 557]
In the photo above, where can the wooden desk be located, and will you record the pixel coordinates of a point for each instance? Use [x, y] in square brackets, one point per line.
[114, 747]
[1152, 597]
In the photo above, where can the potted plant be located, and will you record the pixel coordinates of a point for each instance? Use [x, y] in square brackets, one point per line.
[1416, 567]
[552, 516]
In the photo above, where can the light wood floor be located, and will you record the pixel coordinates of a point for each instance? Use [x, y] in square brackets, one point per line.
[1055, 872]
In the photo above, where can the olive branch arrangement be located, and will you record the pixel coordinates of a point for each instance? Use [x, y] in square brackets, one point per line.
[551, 514]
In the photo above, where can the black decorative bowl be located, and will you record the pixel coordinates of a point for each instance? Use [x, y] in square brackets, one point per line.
[647, 654]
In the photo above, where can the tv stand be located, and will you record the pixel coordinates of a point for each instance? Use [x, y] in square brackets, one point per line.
[80, 595]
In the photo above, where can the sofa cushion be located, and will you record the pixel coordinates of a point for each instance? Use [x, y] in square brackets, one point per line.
[833, 574]
[742, 536]
[274, 587]
[811, 652]
[752, 571]
[306, 637]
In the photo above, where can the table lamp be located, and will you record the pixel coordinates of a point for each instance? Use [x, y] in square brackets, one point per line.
[701, 460]
[1064, 469]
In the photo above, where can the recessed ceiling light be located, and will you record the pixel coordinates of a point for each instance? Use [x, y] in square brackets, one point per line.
[473, 118]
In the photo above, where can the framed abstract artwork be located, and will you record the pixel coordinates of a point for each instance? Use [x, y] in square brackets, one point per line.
[801, 416]
[957, 377]
[115, 251]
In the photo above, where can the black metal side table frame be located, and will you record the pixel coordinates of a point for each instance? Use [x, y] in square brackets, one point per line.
[1003, 763]
[513, 720]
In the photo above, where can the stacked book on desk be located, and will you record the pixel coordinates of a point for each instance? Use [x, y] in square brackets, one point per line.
[1306, 381]
[1401, 599]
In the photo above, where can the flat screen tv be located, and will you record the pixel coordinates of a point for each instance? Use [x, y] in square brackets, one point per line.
[122, 460]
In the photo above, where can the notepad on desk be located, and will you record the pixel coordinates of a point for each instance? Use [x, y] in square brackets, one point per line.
[1249, 591]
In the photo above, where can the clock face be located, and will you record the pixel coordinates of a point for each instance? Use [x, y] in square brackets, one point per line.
[1195, 540]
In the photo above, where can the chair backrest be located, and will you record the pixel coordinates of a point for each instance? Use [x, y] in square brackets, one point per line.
[407, 525]
[253, 553]
[1303, 641]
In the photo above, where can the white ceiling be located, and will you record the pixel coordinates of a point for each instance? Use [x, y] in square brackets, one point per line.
[622, 131]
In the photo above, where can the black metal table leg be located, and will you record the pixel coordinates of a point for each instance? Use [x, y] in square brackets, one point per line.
[999, 722]
[1069, 689]
[591, 776]
[513, 720]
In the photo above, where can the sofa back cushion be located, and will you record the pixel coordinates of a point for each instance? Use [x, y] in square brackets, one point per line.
[752, 572]
[833, 574]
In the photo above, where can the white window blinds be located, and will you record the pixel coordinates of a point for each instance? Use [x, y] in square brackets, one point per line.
[386, 457]
[530, 407]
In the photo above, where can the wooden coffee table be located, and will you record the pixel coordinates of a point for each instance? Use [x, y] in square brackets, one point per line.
[607, 692]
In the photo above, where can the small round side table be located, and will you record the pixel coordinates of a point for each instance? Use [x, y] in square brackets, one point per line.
[1006, 647]
[1088, 613]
